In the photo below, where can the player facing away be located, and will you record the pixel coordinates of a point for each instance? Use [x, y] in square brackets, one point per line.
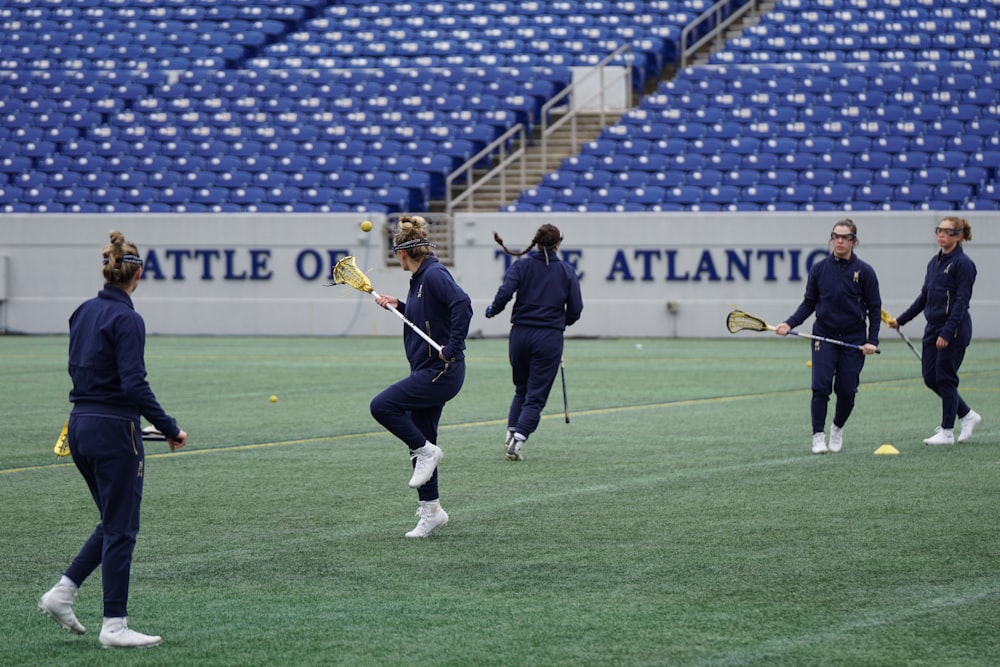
[548, 300]
[843, 292]
[107, 338]
[411, 408]
[944, 300]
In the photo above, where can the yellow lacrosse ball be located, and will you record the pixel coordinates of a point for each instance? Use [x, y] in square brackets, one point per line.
[809, 364]
[366, 226]
[274, 399]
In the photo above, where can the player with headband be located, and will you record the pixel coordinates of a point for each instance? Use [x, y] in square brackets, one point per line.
[110, 393]
[411, 408]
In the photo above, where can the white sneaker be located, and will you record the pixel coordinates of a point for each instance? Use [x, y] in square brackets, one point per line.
[819, 443]
[942, 436]
[507, 440]
[427, 458]
[514, 449]
[115, 633]
[57, 603]
[836, 438]
[969, 424]
[432, 516]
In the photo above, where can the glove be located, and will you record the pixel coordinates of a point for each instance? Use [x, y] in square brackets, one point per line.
[489, 311]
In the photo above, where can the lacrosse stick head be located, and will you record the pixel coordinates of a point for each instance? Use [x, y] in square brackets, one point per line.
[886, 317]
[346, 272]
[740, 321]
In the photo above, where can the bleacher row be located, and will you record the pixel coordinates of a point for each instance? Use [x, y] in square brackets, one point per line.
[400, 132]
[304, 105]
[794, 136]
[826, 104]
[799, 31]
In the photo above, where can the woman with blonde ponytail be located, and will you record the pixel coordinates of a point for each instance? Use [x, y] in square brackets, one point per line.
[411, 408]
[107, 340]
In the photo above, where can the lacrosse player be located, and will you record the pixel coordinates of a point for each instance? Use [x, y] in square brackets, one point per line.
[944, 300]
[843, 292]
[411, 408]
[548, 300]
[107, 339]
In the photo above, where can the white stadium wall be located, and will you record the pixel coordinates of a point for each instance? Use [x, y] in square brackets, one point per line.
[643, 274]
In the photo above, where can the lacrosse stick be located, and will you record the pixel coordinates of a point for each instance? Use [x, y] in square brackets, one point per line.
[886, 317]
[62, 444]
[346, 272]
[740, 321]
[562, 371]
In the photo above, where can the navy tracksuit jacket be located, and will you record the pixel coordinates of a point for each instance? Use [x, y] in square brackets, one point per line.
[944, 300]
[844, 294]
[107, 339]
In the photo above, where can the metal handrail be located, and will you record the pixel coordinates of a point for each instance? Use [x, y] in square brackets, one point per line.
[599, 69]
[498, 145]
[713, 13]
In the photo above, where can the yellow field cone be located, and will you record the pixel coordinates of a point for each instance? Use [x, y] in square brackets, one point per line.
[887, 449]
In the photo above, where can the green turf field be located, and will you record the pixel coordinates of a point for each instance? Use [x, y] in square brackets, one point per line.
[679, 519]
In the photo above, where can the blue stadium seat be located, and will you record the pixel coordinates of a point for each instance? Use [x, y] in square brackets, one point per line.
[419, 185]
[722, 194]
[953, 192]
[798, 193]
[720, 161]
[778, 177]
[759, 162]
[930, 176]
[873, 160]
[648, 195]
[705, 178]
[595, 178]
[742, 177]
[538, 195]
[837, 193]
[971, 175]
[684, 194]
[873, 193]
[950, 159]
[574, 196]
[608, 195]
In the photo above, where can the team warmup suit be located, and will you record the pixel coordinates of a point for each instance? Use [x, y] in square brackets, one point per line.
[844, 294]
[411, 408]
[548, 301]
[944, 300]
[107, 339]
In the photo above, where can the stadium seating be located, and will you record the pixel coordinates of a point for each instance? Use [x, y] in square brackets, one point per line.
[127, 106]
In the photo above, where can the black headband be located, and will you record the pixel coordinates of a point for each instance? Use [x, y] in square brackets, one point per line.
[413, 243]
[128, 259]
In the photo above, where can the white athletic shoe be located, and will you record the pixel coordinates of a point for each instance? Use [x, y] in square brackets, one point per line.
[432, 516]
[942, 436]
[514, 449]
[969, 424]
[57, 603]
[819, 443]
[427, 458]
[507, 440]
[836, 438]
[115, 633]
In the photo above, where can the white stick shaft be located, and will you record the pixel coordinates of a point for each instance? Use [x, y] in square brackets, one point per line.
[829, 340]
[410, 324]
